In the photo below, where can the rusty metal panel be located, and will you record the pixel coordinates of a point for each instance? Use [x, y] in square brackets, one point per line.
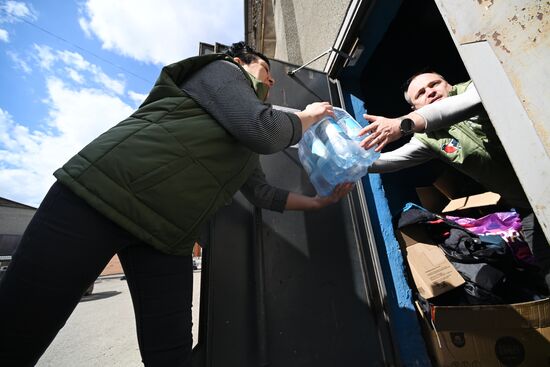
[523, 146]
[519, 34]
[505, 46]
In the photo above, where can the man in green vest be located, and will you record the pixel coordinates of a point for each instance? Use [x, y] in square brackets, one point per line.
[142, 190]
[448, 122]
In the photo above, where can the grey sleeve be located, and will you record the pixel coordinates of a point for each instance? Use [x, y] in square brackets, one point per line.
[260, 193]
[410, 154]
[451, 110]
[223, 91]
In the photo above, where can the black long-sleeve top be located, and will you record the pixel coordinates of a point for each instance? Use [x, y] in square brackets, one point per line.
[224, 92]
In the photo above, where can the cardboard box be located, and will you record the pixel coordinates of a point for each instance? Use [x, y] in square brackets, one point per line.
[453, 184]
[444, 197]
[432, 273]
[436, 202]
[490, 335]
[431, 198]
[484, 200]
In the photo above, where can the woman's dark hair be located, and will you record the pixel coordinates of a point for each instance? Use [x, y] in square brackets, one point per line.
[245, 52]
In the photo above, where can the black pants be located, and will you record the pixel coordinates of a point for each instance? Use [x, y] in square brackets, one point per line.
[64, 249]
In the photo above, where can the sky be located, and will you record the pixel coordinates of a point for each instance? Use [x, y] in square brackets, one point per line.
[69, 70]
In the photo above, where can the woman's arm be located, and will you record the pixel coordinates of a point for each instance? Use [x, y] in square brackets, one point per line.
[297, 201]
[222, 89]
[260, 193]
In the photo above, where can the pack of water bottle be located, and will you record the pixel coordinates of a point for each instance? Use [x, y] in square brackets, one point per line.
[331, 154]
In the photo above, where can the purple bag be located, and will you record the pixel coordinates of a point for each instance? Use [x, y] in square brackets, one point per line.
[505, 224]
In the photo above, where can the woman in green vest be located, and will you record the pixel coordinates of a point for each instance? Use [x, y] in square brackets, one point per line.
[142, 190]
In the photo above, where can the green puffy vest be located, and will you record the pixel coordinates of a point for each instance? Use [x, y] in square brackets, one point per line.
[164, 170]
[472, 147]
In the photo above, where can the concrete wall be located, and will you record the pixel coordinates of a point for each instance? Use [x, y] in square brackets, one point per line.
[306, 28]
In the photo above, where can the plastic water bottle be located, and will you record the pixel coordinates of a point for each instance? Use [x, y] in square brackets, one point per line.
[314, 157]
[331, 154]
[335, 139]
[322, 186]
[352, 129]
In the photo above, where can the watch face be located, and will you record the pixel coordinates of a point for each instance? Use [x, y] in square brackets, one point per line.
[406, 126]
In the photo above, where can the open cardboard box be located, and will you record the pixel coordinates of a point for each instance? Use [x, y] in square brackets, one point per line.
[432, 273]
[488, 335]
[444, 197]
[473, 205]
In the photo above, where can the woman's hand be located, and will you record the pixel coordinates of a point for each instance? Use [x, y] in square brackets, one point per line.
[313, 113]
[336, 195]
[301, 202]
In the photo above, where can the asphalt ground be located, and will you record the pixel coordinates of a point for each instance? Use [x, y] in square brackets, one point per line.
[101, 331]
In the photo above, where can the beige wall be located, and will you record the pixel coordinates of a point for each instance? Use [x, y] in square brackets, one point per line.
[306, 28]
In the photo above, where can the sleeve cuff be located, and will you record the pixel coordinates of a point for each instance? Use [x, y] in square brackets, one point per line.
[279, 200]
[296, 129]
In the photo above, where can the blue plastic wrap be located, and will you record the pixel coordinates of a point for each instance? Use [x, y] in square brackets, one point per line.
[330, 152]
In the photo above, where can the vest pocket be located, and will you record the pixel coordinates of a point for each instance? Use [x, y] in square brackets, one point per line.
[160, 174]
[174, 205]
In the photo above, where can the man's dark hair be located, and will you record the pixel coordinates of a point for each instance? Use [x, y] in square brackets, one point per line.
[245, 52]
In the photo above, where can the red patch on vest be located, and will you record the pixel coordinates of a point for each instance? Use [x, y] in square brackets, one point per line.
[451, 147]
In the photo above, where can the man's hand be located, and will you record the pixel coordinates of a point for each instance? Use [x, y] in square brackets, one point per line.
[313, 113]
[382, 131]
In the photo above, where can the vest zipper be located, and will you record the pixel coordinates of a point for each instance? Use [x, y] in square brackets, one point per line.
[473, 137]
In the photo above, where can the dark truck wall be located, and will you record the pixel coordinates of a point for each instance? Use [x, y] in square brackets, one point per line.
[290, 289]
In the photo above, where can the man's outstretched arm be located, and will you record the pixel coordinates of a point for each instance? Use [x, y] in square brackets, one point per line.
[437, 115]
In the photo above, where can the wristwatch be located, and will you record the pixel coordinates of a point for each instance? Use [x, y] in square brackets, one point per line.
[406, 127]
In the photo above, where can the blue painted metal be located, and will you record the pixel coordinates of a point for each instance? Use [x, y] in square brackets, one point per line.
[379, 19]
[404, 323]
